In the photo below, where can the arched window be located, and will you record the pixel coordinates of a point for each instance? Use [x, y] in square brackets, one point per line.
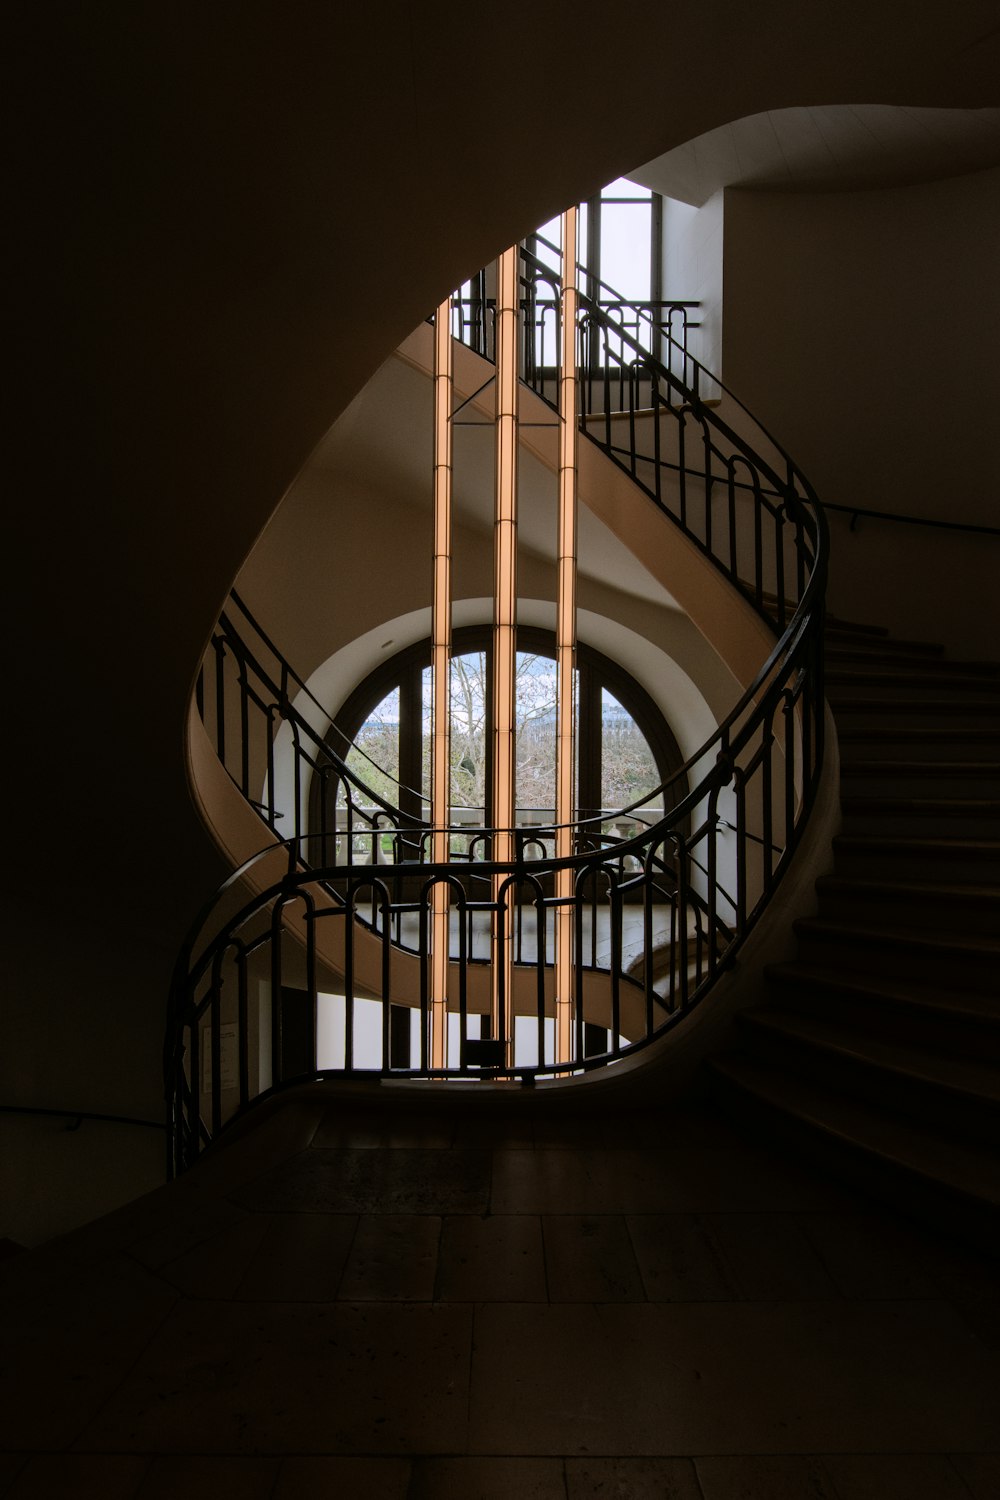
[626, 750]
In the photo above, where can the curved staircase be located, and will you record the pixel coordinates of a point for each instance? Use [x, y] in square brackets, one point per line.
[878, 1046]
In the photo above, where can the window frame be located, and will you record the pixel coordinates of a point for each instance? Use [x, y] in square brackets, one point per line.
[404, 669]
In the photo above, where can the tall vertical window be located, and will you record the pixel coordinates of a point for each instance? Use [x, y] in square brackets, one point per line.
[620, 249]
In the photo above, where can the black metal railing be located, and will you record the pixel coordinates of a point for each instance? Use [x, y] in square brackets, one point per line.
[314, 959]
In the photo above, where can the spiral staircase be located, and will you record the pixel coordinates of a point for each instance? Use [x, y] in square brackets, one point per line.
[860, 1054]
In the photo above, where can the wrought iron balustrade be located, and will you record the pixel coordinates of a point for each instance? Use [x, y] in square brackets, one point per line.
[339, 916]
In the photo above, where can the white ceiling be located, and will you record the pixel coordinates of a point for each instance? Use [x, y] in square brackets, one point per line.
[828, 147]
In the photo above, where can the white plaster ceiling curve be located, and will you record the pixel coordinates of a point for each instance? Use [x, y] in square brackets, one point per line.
[832, 147]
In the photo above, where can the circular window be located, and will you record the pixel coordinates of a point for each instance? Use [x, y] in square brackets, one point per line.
[625, 749]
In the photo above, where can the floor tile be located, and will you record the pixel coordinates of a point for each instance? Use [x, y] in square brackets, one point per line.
[702, 1180]
[774, 1477]
[561, 1180]
[214, 1269]
[768, 1257]
[393, 1257]
[69, 1344]
[297, 1378]
[893, 1476]
[589, 1258]
[677, 1379]
[343, 1479]
[188, 1231]
[678, 1259]
[11, 1464]
[209, 1478]
[872, 1255]
[487, 1479]
[982, 1320]
[387, 1130]
[301, 1258]
[543, 1382]
[362, 1181]
[492, 1133]
[980, 1472]
[608, 1132]
[80, 1476]
[496, 1259]
[631, 1479]
[679, 1128]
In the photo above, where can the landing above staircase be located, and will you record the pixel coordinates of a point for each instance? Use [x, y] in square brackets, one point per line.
[879, 1047]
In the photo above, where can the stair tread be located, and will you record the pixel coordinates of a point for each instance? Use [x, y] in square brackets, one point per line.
[965, 1004]
[960, 1074]
[931, 806]
[976, 734]
[867, 664]
[987, 895]
[848, 643]
[904, 1142]
[916, 844]
[944, 675]
[971, 944]
[833, 625]
[863, 767]
[899, 703]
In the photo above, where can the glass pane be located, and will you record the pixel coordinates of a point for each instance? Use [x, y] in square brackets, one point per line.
[625, 249]
[535, 703]
[425, 740]
[374, 756]
[628, 769]
[469, 697]
[552, 232]
[624, 187]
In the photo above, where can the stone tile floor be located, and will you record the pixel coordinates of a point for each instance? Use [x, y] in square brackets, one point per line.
[396, 1303]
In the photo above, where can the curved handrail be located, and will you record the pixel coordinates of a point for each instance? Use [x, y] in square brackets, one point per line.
[657, 914]
[857, 511]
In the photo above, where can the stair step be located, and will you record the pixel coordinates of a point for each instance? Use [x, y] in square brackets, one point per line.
[905, 668]
[954, 1021]
[961, 711]
[961, 1097]
[880, 1051]
[942, 678]
[887, 649]
[951, 1183]
[958, 716]
[916, 778]
[951, 859]
[931, 815]
[962, 961]
[964, 908]
[875, 741]
[835, 628]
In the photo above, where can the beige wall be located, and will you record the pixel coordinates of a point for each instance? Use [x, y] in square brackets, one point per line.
[692, 270]
[862, 328]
